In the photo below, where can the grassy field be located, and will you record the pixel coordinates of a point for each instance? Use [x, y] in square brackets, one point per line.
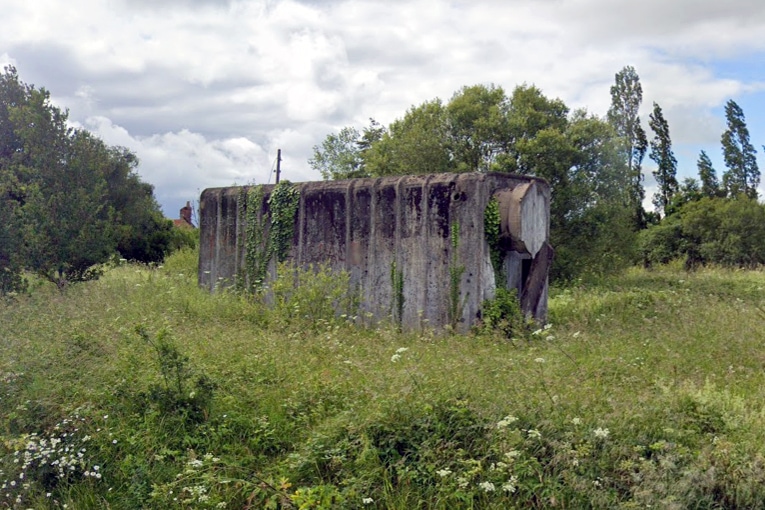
[141, 391]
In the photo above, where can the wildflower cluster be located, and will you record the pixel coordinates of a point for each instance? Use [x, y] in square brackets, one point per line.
[481, 476]
[195, 485]
[43, 461]
[397, 355]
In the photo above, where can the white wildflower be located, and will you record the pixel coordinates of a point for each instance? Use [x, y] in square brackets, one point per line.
[510, 485]
[534, 433]
[576, 421]
[444, 472]
[367, 501]
[512, 455]
[601, 433]
[487, 486]
[539, 360]
[506, 421]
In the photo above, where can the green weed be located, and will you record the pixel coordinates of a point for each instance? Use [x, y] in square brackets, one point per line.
[644, 390]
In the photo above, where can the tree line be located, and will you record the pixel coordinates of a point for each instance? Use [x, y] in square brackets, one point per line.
[594, 164]
[68, 201]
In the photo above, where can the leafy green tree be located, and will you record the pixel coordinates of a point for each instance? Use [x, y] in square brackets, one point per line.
[594, 232]
[339, 156]
[725, 231]
[71, 225]
[477, 126]
[416, 144]
[67, 200]
[662, 155]
[342, 155]
[743, 174]
[578, 154]
[710, 186]
[626, 97]
[481, 129]
[11, 262]
[529, 113]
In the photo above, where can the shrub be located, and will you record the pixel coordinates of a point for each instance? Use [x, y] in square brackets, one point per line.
[314, 295]
[503, 314]
[728, 232]
[182, 392]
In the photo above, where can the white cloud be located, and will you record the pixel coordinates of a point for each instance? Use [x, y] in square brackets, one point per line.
[206, 91]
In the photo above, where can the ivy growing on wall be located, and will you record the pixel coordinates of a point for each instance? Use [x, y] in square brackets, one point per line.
[503, 312]
[283, 206]
[267, 236]
[497, 247]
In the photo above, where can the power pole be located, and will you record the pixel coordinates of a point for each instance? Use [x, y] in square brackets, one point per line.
[278, 164]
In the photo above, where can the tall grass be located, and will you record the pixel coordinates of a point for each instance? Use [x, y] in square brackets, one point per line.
[645, 390]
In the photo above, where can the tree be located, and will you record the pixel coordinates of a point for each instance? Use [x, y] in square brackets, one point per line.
[530, 112]
[343, 155]
[662, 155]
[626, 97]
[67, 200]
[418, 143]
[578, 154]
[477, 126]
[339, 156]
[710, 186]
[481, 129]
[11, 262]
[742, 175]
[71, 226]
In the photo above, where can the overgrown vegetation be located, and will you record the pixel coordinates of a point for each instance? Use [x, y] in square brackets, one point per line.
[68, 201]
[268, 232]
[722, 231]
[629, 399]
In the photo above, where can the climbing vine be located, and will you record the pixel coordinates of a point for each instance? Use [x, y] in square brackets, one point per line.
[503, 312]
[497, 248]
[256, 244]
[455, 278]
[283, 206]
[266, 237]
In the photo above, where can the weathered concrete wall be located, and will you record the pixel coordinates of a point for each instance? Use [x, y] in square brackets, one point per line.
[364, 226]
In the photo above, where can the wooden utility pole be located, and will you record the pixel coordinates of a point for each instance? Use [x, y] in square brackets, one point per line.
[278, 164]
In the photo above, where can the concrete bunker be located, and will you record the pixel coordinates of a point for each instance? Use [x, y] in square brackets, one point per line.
[418, 242]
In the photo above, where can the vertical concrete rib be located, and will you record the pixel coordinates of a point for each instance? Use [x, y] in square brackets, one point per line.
[218, 243]
[349, 208]
[398, 256]
[368, 290]
[301, 225]
[424, 240]
[238, 231]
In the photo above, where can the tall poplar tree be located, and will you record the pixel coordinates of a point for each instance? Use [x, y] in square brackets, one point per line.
[662, 155]
[742, 175]
[626, 97]
[710, 186]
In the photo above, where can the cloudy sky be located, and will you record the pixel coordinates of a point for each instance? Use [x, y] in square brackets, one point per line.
[206, 91]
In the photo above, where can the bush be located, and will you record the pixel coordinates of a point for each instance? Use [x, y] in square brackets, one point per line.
[313, 295]
[503, 314]
[728, 232]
